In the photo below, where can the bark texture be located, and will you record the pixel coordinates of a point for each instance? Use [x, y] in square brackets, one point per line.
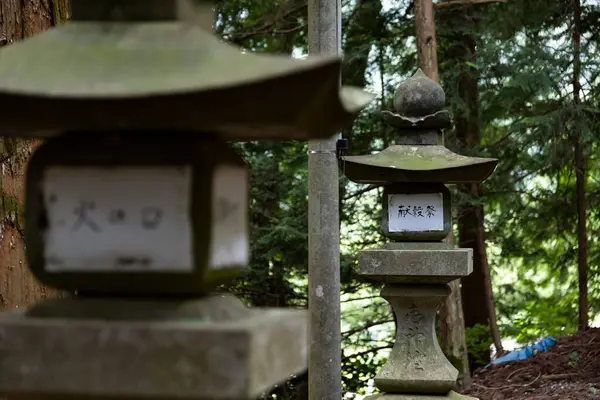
[19, 19]
[426, 42]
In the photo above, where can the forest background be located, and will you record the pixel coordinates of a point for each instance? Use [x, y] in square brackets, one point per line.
[521, 78]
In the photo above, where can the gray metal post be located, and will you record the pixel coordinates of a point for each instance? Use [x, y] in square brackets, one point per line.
[324, 367]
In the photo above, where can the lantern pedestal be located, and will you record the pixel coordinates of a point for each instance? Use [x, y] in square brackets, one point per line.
[142, 233]
[416, 277]
[212, 348]
[417, 215]
[416, 364]
[430, 263]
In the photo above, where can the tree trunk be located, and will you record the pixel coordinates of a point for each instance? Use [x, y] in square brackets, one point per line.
[452, 324]
[487, 280]
[580, 173]
[476, 288]
[18, 20]
[426, 42]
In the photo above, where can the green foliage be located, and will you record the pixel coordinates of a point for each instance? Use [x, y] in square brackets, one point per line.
[479, 341]
[367, 322]
[574, 359]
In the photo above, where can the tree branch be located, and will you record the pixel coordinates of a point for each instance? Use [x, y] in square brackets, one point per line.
[451, 3]
[360, 192]
[366, 352]
[361, 298]
[364, 327]
[268, 25]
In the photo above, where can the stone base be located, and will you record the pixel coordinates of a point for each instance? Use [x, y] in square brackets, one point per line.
[418, 263]
[205, 349]
[416, 363]
[449, 396]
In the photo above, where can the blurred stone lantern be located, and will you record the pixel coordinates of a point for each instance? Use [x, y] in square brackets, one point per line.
[416, 266]
[136, 202]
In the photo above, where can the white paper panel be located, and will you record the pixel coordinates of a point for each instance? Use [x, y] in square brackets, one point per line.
[416, 212]
[118, 219]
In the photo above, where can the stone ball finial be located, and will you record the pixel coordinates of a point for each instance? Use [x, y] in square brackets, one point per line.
[419, 96]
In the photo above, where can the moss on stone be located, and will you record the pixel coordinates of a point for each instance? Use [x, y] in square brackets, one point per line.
[414, 163]
[60, 9]
[420, 158]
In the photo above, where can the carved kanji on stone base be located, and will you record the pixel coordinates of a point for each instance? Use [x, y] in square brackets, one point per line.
[416, 363]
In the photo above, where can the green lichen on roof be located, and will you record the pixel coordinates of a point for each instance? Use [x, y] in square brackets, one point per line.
[128, 59]
[411, 163]
[418, 158]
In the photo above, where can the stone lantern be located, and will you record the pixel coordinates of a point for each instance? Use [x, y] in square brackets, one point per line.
[416, 266]
[136, 202]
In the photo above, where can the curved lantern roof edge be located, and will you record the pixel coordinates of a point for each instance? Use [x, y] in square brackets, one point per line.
[139, 66]
[412, 163]
[306, 116]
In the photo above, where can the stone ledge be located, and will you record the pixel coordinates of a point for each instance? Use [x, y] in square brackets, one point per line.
[391, 396]
[77, 358]
[414, 265]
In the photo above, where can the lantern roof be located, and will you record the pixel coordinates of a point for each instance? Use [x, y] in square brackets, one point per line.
[155, 64]
[405, 163]
[419, 154]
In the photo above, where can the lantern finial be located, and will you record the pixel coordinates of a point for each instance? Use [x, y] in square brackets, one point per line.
[419, 103]
[419, 96]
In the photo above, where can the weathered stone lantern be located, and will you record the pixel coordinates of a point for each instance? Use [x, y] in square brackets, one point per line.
[416, 266]
[136, 202]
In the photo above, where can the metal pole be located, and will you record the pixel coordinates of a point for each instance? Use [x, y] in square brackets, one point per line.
[324, 366]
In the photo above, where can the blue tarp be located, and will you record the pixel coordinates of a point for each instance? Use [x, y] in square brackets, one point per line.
[526, 352]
